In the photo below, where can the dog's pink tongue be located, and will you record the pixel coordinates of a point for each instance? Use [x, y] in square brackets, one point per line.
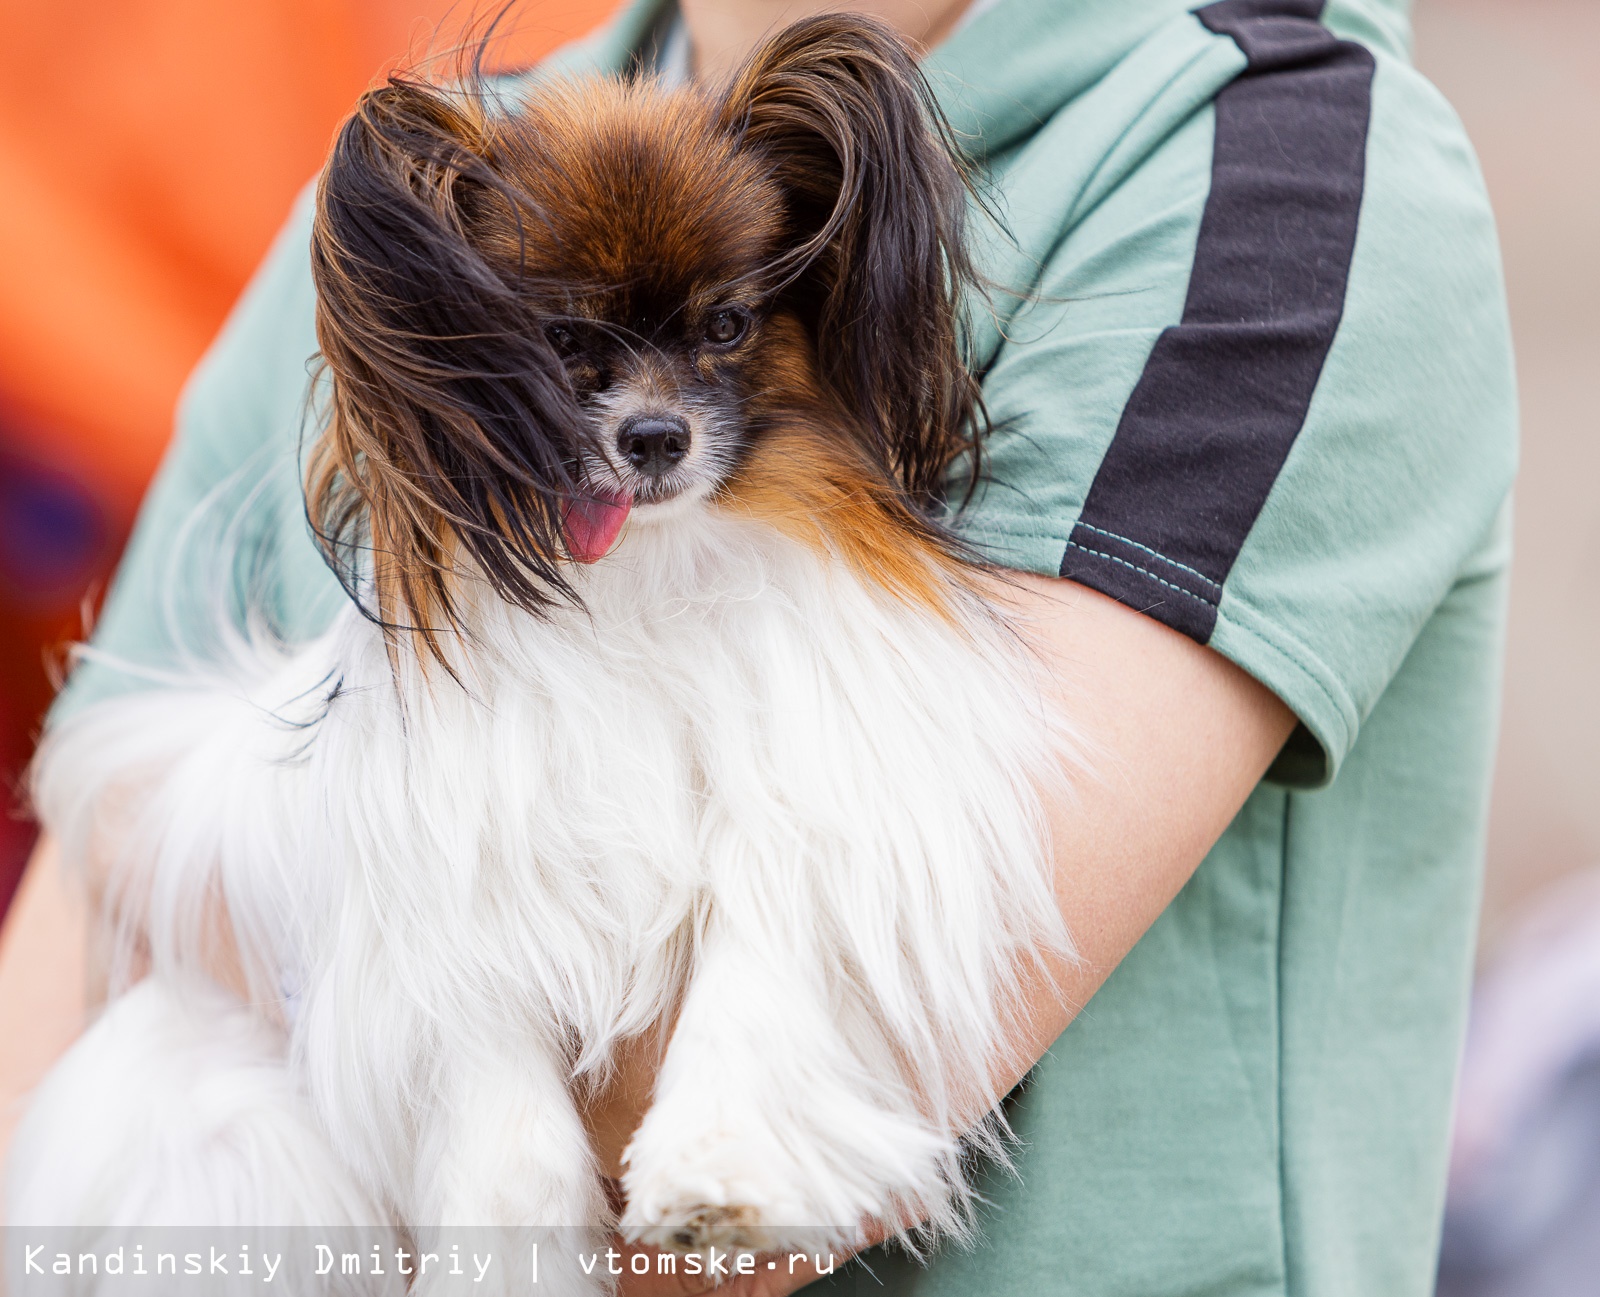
[593, 522]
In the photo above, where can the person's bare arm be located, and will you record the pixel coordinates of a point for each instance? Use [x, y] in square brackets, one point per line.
[1181, 737]
[43, 981]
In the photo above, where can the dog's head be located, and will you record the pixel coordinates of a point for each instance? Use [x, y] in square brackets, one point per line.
[539, 314]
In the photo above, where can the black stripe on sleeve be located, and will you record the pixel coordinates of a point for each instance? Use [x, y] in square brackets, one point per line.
[1224, 393]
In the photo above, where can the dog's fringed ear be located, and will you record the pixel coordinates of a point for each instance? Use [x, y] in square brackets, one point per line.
[877, 193]
[452, 429]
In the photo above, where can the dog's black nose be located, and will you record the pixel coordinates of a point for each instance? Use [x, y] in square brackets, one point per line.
[653, 443]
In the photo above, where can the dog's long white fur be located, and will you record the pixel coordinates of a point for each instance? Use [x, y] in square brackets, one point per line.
[742, 783]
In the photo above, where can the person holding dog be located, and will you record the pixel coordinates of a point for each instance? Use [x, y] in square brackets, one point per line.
[1249, 374]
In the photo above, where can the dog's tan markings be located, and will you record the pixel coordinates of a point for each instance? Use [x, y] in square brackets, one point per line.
[808, 476]
[811, 487]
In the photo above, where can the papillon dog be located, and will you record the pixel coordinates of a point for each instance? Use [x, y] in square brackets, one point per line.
[663, 701]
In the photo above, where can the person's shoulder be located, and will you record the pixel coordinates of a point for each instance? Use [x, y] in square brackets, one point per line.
[1426, 291]
[1423, 178]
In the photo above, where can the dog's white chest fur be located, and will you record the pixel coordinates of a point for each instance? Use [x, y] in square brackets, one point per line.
[742, 784]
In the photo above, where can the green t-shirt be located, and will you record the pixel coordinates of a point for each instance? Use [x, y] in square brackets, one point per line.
[1255, 381]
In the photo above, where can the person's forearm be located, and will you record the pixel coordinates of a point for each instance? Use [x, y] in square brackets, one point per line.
[1178, 738]
[43, 982]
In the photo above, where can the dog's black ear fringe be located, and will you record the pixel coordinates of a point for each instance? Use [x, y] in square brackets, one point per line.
[452, 431]
[877, 190]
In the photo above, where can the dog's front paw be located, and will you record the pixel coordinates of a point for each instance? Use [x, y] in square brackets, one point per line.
[738, 1184]
[714, 1190]
[697, 1226]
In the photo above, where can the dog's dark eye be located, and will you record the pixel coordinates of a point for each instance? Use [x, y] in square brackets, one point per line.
[563, 338]
[726, 325]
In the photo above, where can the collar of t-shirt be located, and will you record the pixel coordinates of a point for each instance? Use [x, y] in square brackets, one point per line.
[673, 65]
[1008, 65]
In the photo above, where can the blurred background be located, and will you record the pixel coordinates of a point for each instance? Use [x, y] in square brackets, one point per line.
[1525, 77]
[150, 148]
[1524, 1213]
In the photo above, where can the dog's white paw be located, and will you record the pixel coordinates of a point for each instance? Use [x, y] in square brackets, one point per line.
[695, 1227]
[742, 1194]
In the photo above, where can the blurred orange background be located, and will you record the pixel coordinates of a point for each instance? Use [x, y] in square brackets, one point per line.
[148, 152]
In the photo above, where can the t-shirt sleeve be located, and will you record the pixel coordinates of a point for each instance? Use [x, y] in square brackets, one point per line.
[1261, 389]
[223, 523]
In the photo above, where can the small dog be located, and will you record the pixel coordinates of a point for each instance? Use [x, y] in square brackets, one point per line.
[661, 698]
